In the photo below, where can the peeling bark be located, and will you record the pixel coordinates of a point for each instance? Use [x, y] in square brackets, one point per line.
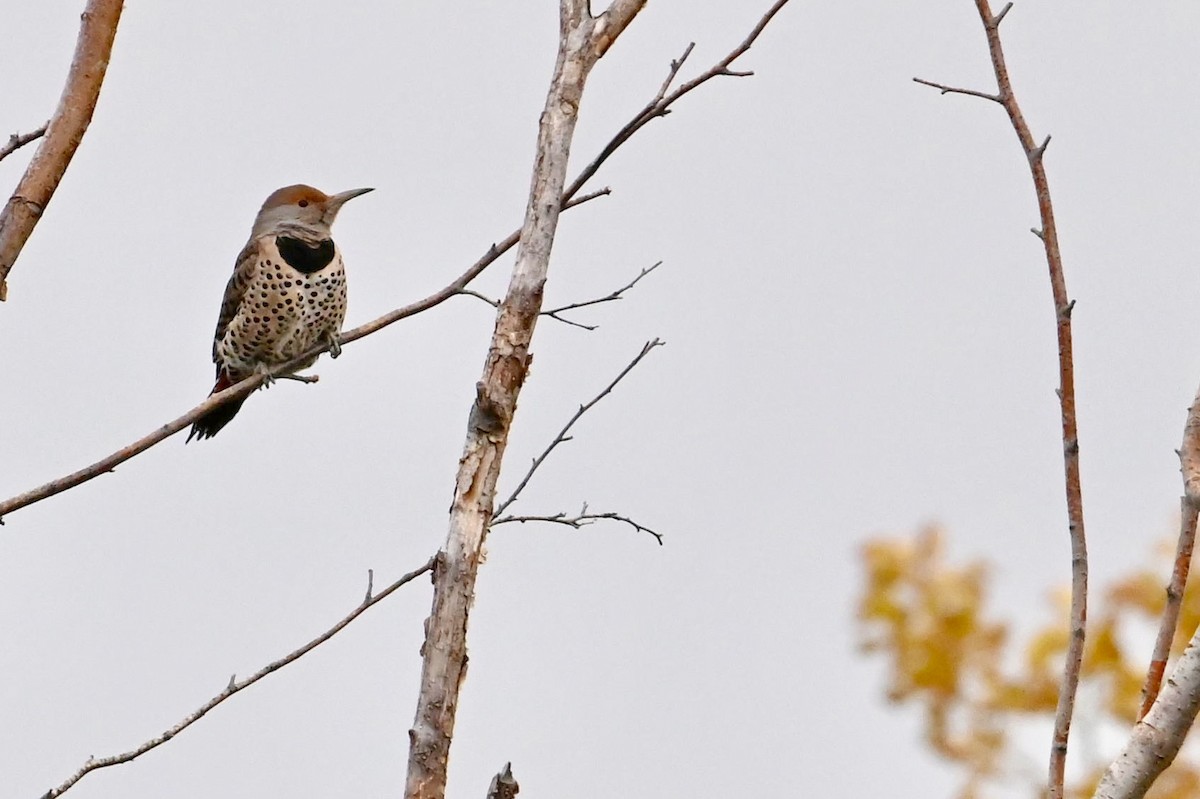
[583, 39]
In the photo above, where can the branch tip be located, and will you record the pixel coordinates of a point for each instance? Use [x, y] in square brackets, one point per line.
[231, 688]
[564, 435]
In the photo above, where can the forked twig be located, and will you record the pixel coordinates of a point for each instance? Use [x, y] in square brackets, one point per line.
[562, 436]
[554, 313]
[661, 104]
[1063, 306]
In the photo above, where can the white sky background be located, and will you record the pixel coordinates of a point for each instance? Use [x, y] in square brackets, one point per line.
[860, 339]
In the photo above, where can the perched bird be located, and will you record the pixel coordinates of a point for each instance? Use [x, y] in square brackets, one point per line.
[287, 294]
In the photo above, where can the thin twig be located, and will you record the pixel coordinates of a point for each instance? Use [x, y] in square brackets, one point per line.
[477, 295]
[1048, 233]
[581, 199]
[235, 686]
[582, 519]
[19, 140]
[562, 436]
[661, 104]
[955, 90]
[64, 132]
[553, 313]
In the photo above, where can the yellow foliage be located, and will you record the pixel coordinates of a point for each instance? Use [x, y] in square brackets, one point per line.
[928, 618]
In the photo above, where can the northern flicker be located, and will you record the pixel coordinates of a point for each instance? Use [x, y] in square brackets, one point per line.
[287, 294]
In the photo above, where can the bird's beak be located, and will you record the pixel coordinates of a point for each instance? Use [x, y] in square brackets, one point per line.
[338, 200]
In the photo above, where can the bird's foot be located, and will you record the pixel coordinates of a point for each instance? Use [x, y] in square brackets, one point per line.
[335, 345]
[268, 379]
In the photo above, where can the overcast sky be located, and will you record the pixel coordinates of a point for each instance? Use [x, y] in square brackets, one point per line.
[860, 340]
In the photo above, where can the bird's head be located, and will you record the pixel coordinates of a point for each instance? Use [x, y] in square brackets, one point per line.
[301, 209]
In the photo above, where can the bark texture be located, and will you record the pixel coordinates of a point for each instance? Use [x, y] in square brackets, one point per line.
[583, 39]
[63, 134]
[1156, 739]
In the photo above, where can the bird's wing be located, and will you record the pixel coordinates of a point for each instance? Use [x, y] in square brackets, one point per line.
[235, 290]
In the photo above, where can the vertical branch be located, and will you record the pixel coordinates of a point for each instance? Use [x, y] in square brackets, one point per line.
[1189, 505]
[583, 39]
[63, 134]
[1170, 618]
[1035, 156]
[1063, 306]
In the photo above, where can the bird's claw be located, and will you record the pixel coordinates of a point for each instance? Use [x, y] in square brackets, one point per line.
[335, 345]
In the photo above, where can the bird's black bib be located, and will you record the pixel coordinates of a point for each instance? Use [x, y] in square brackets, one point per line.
[303, 256]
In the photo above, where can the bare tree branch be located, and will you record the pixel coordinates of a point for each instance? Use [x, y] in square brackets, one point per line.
[19, 140]
[580, 520]
[63, 134]
[235, 686]
[581, 199]
[1189, 453]
[583, 39]
[954, 90]
[562, 436]
[660, 106]
[1034, 154]
[554, 313]
[1169, 624]
[1189, 505]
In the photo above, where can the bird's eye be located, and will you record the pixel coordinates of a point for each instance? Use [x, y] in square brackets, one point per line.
[303, 203]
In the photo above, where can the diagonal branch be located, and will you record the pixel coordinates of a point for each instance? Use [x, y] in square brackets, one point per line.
[1048, 234]
[64, 132]
[19, 140]
[661, 104]
[660, 107]
[563, 436]
[1189, 506]
[1169, 624]
[553, 313]
[236, 686]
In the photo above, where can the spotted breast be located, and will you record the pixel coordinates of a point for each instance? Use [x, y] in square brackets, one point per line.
[294, 297]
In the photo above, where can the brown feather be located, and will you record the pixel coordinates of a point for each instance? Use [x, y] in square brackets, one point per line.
[243, 273]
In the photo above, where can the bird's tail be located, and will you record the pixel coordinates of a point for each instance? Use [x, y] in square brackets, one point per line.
[211, 423]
